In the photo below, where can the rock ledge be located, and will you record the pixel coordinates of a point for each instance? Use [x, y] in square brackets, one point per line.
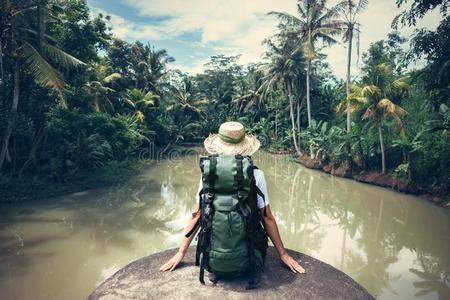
[142, 280]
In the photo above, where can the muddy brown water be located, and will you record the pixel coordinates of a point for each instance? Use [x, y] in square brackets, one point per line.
[397, 246]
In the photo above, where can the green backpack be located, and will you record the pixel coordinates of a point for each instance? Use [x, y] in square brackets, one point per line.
[232, 240]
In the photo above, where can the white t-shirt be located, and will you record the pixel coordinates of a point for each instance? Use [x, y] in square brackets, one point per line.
[260, 183]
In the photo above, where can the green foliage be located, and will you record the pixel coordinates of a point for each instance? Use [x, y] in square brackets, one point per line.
[83, 141]
[402, 170]
[435, 48]
[418, 10]
[125, 98]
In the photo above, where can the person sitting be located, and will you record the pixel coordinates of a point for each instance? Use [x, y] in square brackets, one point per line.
[232, 141]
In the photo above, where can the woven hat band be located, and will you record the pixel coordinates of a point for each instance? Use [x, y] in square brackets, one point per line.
[232, 140]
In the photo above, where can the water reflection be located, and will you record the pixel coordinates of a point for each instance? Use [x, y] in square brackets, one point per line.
[395, 245]
[362, 230]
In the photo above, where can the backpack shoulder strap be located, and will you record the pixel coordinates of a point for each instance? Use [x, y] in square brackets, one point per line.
[239, 177]
[251, 174]
[207, 212]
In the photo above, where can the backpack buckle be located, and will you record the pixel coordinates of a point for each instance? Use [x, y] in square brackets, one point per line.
[207, 211]
[209, 197]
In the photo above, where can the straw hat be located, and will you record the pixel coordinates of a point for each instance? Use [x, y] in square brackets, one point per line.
[231, 140]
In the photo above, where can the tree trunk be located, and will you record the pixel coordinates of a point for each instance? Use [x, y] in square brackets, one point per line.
[276, 125]
[349, 63]
[308, 104]
[308, 100]
[32, 156]
[4, 154]
[298, 124]
[383, 158]
[39, 25]
[291, 110]
[409, 168]
[2, 75]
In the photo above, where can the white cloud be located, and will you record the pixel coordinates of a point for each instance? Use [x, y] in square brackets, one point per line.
[126, 29]
[197, 68]
[229, 27]
[239, 26]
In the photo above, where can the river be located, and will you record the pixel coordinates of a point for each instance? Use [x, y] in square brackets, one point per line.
[397, 246]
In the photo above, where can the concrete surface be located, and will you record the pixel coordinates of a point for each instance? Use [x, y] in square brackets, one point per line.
[142, 280]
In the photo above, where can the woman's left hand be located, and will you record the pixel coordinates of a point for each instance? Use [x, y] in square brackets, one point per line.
[292, 264]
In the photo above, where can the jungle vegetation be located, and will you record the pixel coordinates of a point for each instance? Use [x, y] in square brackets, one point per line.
[74, 98]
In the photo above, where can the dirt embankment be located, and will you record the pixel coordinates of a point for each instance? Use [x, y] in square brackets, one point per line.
[373, 177]
[280, 151]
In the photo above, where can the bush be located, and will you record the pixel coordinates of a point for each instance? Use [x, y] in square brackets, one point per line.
[84, 141]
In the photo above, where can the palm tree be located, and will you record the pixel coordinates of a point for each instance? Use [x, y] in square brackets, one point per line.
[22, 25]
[248, 91]
[184, 99]
[185, 128]
[151, 68]
[314, 23]
[409, 147]
[140, 102]
[286, 65]
[100, 92]
[349, 11]
[377, 94]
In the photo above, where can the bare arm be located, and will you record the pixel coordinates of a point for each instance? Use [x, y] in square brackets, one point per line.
[178, 257]
[272, 231]
[274, 234]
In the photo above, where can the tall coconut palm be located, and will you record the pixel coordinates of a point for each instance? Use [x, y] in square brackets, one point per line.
[22, 26]
[151, 68]
[377, 93]
[286, 66]
[349, 11]
[315, 22]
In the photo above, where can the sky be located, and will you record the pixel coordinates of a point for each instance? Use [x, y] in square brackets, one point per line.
[194, 30]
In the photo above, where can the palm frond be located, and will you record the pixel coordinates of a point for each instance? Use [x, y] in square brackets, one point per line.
[401, 83]
[113, 77]
[400, 111]
[140, 116]
[370, 90]
[146, 102]
[354, 97]
[150, 96]
[387, 105]
[129, 102]
[35, 33]
[399, 122]
[368, 114]
[43, 72]
[326, 38]
[61, 57]
[142, 64]
[285, 17]
[362, 5]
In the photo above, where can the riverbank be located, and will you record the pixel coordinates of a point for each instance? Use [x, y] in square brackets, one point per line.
[375, 178]
[280, 151]
[41, 186]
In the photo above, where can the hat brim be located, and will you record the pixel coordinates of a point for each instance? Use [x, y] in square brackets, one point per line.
[214, 145]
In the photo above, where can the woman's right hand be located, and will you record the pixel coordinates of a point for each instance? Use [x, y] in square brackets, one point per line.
[173, 262]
